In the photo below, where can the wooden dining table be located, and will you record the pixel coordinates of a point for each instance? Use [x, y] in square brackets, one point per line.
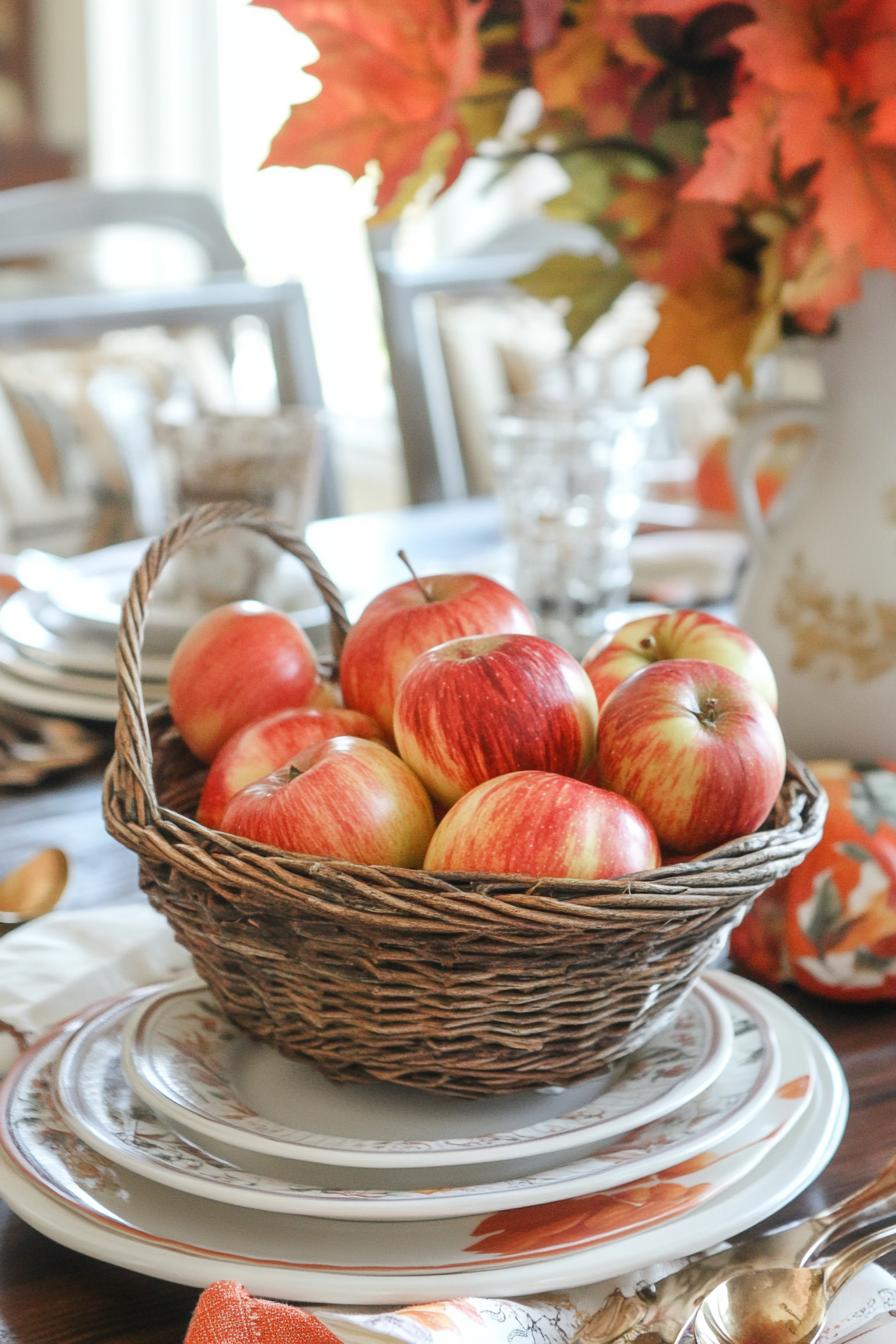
[50, 1295]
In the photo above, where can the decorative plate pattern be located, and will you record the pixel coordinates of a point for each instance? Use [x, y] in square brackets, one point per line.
[88, 1204]
[36, 1137]
[103, 1111]
[187, 1062]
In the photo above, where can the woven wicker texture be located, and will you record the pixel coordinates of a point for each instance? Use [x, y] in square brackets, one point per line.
[459, 982]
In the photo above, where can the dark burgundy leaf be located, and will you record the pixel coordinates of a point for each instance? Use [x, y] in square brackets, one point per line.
[712, 26]
[660, 34]
[713, 85]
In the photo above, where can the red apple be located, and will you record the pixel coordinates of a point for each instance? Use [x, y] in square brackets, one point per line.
[346, 798]
[543, 825]
[677, 634]
[475, 708]
[259, 748]
[405, 621]
[236, 664]
[698, 750]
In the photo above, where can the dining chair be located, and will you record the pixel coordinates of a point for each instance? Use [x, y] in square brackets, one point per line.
[409, 295]
[41, 220]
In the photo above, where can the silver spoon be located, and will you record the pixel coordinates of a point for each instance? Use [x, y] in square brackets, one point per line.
[783, 1306]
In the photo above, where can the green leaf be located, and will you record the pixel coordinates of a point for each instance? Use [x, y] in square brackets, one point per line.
[873, 797]
[825, 913]
[683, 140]
[592, 187]
[589, 284]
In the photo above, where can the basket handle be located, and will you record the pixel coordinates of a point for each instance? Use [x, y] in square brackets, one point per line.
[133, 752]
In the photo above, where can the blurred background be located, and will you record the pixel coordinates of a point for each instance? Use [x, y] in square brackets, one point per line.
[415, 334]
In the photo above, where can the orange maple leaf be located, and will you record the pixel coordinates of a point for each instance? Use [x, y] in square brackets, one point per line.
[812, 71]
[392, 76]
[574, 61]
[715, 321]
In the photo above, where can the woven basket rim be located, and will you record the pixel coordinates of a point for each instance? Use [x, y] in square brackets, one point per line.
[456, 902]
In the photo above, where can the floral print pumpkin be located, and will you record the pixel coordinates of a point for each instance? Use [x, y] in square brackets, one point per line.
[831, 925]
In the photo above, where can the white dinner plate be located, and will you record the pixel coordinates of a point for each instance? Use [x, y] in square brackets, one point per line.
[61, 679]
[58, 1185]
[92, 588]
[43, 700]
[21, 624]
[189, 1063]
[102, 1110]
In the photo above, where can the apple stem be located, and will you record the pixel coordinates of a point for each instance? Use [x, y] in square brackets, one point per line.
[648, 643]
[709, 709]
[403, 557]
[294, 773]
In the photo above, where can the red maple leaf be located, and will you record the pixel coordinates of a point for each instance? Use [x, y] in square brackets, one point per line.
[391, 76]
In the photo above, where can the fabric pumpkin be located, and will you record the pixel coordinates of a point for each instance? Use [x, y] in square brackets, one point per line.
[831, 925]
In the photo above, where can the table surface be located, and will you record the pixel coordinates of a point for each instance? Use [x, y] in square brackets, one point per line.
[49, 1295]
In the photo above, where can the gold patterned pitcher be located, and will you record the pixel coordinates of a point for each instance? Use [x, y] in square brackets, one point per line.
[820, 595]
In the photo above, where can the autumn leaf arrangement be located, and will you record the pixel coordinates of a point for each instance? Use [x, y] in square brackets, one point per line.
[742, 156]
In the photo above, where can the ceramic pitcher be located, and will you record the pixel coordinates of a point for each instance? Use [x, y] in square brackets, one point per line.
[820, 595]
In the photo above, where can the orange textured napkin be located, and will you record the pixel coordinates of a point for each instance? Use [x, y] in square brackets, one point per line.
[227, 1314]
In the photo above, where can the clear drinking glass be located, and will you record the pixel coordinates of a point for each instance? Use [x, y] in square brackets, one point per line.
[272, 461]
[570, 485]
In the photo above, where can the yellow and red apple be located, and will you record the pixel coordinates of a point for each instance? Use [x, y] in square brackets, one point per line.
[676, 634]
[235, 665]
[263, 746]
[474, 708]
[347, 797]
[544, 825]
[405, 621]
[696, 748]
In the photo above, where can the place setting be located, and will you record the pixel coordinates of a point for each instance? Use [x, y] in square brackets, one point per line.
[57, 639]
[128, 1139]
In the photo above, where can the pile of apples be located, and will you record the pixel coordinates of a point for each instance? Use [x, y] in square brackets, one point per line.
[466, 743]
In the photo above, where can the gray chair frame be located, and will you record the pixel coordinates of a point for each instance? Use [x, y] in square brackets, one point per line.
[432, 451]
[39, 220]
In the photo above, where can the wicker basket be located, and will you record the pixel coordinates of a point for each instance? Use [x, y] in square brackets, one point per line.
[457, 983]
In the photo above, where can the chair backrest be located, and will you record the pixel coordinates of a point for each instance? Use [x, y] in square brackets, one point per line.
[36, 220]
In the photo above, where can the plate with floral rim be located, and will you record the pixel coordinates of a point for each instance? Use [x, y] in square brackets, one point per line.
[187, 1062]
[105, 1113]
[77, 1197]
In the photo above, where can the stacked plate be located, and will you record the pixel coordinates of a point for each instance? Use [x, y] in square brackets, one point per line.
[150, 1133]
[57, 638]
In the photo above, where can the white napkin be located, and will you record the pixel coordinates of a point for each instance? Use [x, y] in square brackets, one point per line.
[65, 961]
[69, 959]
